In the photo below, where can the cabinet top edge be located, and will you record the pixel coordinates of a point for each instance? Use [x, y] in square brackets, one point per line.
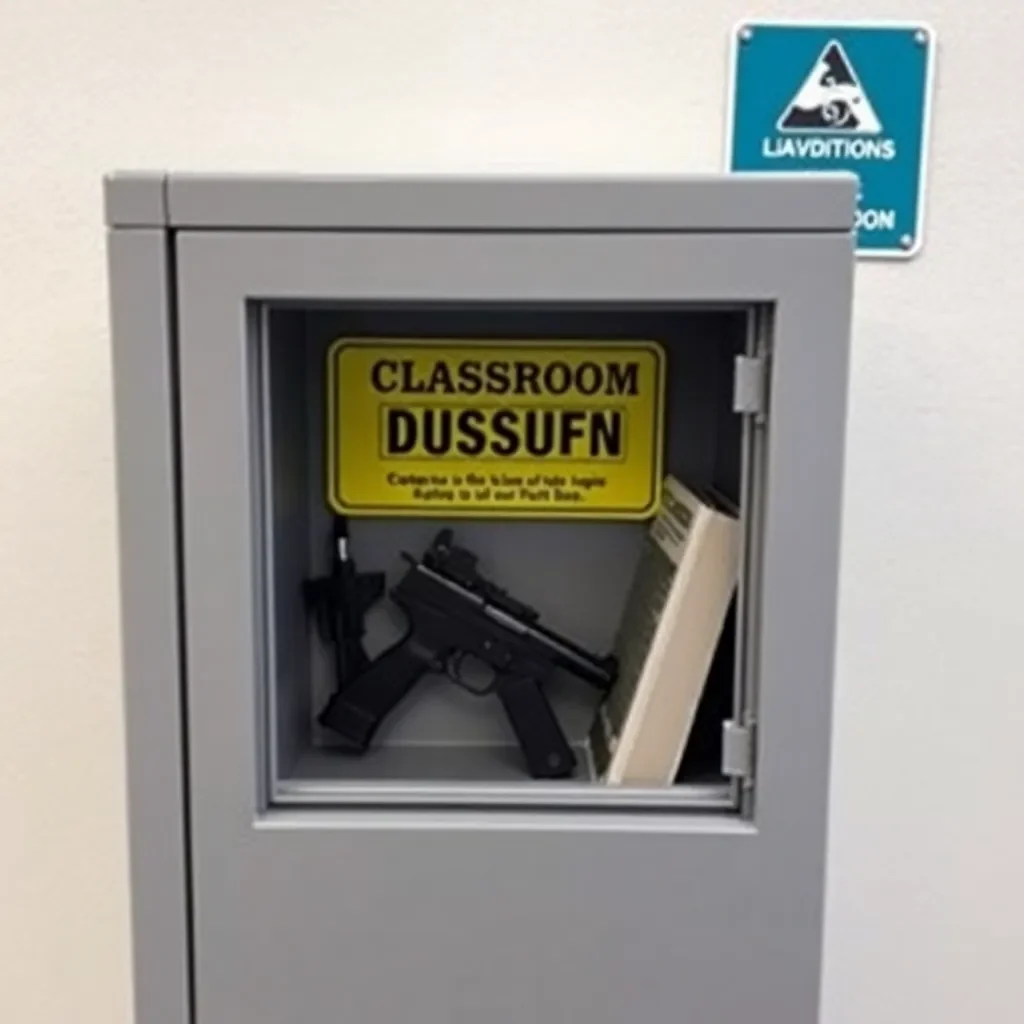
[135, 199]
[537, 203]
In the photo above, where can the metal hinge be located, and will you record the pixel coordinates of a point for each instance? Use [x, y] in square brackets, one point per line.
[738, 750]
[750, 386]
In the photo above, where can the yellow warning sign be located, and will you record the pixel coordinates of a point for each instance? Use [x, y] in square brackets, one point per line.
[494, 428]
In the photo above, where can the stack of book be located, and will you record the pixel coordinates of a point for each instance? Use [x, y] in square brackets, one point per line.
[678, 601]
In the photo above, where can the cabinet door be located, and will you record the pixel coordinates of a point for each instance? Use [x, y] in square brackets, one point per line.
[447, 906]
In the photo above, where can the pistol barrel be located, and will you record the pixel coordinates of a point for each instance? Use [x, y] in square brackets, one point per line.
[559, 650]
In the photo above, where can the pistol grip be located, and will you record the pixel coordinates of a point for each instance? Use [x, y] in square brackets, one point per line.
[547, 752]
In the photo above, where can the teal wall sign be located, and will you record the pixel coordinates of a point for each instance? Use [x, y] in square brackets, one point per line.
[839, 97]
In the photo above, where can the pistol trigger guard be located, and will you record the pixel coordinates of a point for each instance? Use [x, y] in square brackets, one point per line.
[453, 670]
[450, 666]
[454, 673]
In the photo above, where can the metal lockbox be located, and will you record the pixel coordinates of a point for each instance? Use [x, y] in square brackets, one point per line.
[274, 881]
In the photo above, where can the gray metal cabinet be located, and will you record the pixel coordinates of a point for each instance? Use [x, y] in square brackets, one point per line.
[274, 882]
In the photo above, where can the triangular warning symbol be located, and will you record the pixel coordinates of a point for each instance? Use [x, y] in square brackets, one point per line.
[831, 99]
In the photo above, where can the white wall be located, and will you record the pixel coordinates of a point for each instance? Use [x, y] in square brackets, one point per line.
[925, 914]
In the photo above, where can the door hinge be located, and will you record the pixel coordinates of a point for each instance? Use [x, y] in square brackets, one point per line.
[750, 386]
[738, 750]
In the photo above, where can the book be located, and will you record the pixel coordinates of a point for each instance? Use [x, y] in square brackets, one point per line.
[673, 618]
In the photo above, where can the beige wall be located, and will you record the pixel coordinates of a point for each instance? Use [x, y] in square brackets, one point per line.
[925, 915]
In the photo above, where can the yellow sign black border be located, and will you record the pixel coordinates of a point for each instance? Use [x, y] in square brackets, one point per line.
[335, 499]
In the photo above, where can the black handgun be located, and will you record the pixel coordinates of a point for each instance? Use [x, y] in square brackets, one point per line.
[339, 603]
[454, 613]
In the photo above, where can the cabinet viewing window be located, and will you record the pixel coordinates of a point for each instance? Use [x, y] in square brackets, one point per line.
[445, 741]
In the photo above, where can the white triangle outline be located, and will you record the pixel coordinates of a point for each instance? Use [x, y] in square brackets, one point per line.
[867, 106]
